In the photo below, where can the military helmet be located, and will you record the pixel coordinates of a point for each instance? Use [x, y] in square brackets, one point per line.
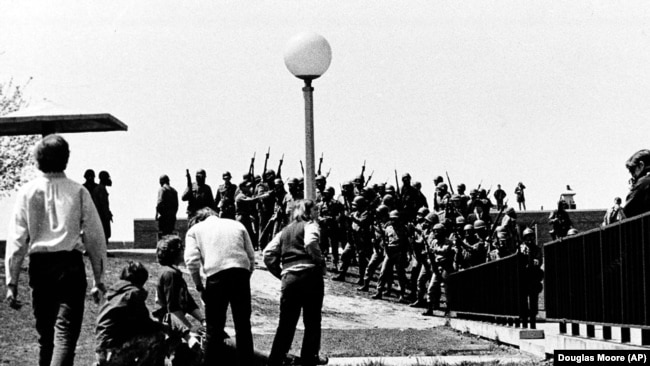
[382, 210]
[423, 211]
[358, 179]
[390, 189]
[432, 217]
[468, 227]
[394, 214]
[319, 178]
[359, 201]
[442, 186]
[330, 190]
[406, 176]
[278, 182]
[292, 181]
[438, 227]
[528, 231]
[388, 200]
[460, 220]
[572, 231]
[479, 224]
[347, 184]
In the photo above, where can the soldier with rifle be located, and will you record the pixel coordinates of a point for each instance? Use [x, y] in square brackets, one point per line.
[225, 198]
[409, 198]
[361, 221]
[396, 246]
[441, 259]
[279, 175]
[320, 183]
[381, 217]
[329, 211]
[420, 251]
[198, 195]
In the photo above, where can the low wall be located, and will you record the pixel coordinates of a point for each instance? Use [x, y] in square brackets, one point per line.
[145, 232]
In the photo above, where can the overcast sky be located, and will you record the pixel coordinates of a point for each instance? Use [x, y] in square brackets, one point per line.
[547, 93]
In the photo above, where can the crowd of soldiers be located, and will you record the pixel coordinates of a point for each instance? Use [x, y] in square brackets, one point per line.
[378, 227]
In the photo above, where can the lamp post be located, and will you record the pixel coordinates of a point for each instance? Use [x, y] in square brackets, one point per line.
[307, 56]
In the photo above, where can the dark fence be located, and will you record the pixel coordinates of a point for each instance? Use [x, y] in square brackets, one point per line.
[601, 276]
[488, 290]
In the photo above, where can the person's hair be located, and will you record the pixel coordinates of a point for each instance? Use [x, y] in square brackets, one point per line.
[302, 210]
[89, 174]
[201, 215]
[103, 176]
[618, 200]
[168, 249]
[639, 156]
[135, 272]
[52, 154]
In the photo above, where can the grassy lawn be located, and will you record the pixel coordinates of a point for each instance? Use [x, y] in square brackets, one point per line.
[19, 346]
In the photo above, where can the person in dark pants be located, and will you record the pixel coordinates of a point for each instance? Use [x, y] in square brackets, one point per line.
[223, 249]
[295, 257]
[638, 200]
[167, 207]
[50, 214]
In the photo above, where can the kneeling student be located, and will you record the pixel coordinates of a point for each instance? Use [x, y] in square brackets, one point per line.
[125, 331]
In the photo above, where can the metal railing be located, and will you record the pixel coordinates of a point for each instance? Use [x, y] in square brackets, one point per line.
[601, 276]
[488, 290]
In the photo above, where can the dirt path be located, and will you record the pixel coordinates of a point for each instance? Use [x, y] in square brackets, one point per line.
[343, 308]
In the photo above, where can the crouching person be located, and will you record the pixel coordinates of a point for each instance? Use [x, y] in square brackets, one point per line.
[126, 333]
[176, 303]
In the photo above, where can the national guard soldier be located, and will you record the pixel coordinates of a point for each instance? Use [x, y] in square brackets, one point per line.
[320, 182]
[225, 198]
[420, 250]
[533, 275]
[358, 182]
[294, 195]
[361, 237]
[441, 258]
[329, 211]
[396, 246]
[422, 199]
[377, 258]
[416, 241]
[441, 198]
[245, 209]
[198, 195]
[279, 219]
[409, 198]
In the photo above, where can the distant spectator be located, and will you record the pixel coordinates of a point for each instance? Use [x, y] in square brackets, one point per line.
[567, 197]
[521, 197]
[532, 278]
[126, 332]
[100, 197]
[638, 200]
[167, 207]
[90, 183]
[614, 213]
[499, 196]
[560, 221]
[50, 214]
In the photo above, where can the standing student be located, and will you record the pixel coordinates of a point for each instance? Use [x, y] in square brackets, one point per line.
[47, 223]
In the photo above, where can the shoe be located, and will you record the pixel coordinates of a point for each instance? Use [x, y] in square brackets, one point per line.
[339, 278]
[377, 296]
[419, 304]
[429, 312]
[363, 288]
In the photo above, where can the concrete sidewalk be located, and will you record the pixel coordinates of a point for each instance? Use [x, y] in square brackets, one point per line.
[430, 360]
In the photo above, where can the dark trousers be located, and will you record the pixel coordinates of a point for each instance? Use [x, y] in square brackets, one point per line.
[58, 282]
[166, 225]
[230, 286]
[248, 224]
[303, 290]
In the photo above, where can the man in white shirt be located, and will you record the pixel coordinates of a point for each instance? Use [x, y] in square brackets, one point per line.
[54, 221]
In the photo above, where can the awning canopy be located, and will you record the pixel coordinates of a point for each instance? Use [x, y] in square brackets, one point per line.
[47, 118]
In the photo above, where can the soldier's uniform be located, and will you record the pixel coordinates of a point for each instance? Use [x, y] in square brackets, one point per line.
[225, 200]
[532, 278]
[441, 257]
[360, 239]
[329, 211]
[197, 197]
[396, 246]
[245, 212]
[420, 251]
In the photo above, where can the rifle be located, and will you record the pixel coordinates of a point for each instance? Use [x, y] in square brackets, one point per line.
[279, 175]
[489, 190]
[369, 178]
[363, 169]
[189, 178]
[451, 188]
[320, 163]
[268, 152]
[328, 173]
[302, 168]
[479, 185]
[396, 184]
[251, 168]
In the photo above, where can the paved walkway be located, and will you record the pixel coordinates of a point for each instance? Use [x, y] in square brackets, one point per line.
[434, 360]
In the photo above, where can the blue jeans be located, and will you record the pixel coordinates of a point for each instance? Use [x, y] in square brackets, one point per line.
[303, 290]
[58, 282]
